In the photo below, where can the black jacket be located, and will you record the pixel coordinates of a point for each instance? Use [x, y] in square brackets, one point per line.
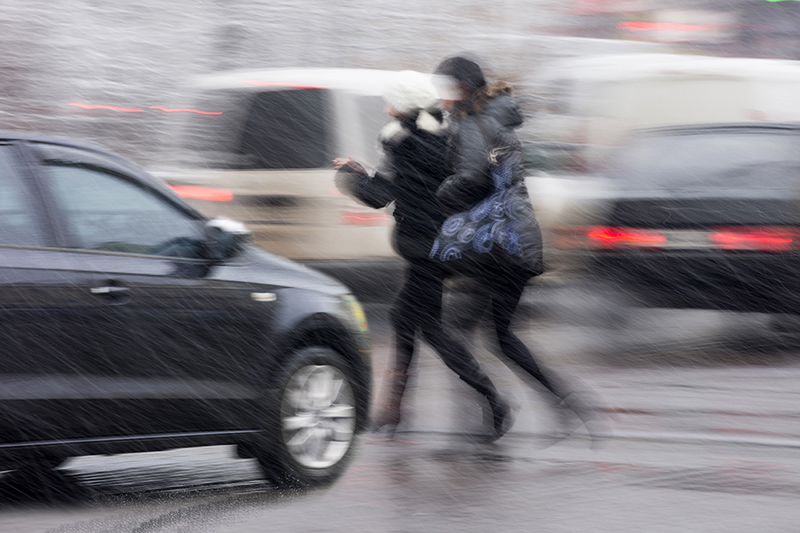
[413, 167]
[472, 134]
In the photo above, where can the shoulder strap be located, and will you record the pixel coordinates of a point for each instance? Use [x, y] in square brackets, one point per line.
[501, 174]
[492, 152]
[482, 127]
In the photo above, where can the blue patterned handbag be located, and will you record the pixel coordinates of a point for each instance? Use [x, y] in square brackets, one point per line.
[470, 239]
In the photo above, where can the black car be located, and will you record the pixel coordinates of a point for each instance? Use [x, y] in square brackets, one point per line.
[701, 217]
[129, 322]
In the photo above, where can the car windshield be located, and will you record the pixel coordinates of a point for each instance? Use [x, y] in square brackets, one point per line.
[708, 161]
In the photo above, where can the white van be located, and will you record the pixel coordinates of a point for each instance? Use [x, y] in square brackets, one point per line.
[258, 147]
[593, 102]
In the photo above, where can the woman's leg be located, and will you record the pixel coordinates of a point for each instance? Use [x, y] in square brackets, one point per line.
[404, 323]
[506, 292]
[428, 282]
[404, 326]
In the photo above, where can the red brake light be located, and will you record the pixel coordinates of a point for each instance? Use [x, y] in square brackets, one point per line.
[761, 239]
[608, 237]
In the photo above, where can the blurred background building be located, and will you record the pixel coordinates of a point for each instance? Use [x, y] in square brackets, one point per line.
[747, 28]
[115, 72]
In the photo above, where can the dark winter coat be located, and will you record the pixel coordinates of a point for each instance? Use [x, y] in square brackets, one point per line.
[473, 131]
[413, 167]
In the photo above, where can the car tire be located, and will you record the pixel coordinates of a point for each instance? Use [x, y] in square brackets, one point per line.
[310, 430]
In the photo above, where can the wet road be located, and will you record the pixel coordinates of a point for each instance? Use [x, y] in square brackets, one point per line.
[701, 433]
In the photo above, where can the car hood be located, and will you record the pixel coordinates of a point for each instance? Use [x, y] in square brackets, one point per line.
[255, 265]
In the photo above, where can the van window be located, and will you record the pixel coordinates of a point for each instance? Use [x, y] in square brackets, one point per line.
[262, 130]
[287, 129]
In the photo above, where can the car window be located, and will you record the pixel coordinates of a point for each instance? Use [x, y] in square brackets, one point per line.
[707, 161]
[18, 222]
[104, 211]
[276, 129]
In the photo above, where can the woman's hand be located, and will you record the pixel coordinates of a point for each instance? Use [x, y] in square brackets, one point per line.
[349, 165]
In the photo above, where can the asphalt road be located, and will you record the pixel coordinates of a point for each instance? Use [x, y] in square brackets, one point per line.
[700, 432]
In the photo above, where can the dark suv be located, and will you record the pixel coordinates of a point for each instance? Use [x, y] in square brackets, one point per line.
[129, 322]
[704, 216]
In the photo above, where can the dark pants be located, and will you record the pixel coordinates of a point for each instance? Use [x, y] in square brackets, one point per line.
[418, 308]
[500, 292]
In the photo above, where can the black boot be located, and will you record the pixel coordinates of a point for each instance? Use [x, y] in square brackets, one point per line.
[501, 414]
[575, 412]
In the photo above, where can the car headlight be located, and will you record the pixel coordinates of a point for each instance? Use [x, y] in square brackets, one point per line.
[353, 313]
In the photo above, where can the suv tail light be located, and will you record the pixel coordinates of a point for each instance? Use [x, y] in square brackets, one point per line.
[734, 238]
[608, 237]
[758, 238]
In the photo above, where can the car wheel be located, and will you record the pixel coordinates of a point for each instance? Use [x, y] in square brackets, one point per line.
[311, 422]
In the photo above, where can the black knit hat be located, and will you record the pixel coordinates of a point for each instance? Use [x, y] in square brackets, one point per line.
[463, 70]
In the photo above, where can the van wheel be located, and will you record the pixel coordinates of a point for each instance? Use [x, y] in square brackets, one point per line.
[310, 429]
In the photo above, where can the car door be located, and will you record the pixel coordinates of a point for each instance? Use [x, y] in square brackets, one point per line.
[44, 316]
[181, 349]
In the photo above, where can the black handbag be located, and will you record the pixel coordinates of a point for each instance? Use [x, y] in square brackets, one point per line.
[487, 235]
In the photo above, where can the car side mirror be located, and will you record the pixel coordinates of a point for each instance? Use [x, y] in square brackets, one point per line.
[224, 238]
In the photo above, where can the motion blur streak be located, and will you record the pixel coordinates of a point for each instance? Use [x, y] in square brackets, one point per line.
[364, 219]
[647, 26]
[202, 193]
[103, 106]
[279, 84]
[167, 110]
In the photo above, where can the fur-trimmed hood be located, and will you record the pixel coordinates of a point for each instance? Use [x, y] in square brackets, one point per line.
[397, 130]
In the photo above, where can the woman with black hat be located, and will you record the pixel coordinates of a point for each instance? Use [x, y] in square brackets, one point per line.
[413, 168]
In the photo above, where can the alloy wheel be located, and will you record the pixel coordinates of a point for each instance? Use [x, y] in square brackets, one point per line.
[318, 416]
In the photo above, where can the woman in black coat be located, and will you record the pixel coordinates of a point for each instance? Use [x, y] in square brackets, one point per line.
[413, 168]
[483, 116]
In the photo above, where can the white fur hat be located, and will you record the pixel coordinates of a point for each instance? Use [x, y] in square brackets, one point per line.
[411, 91]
